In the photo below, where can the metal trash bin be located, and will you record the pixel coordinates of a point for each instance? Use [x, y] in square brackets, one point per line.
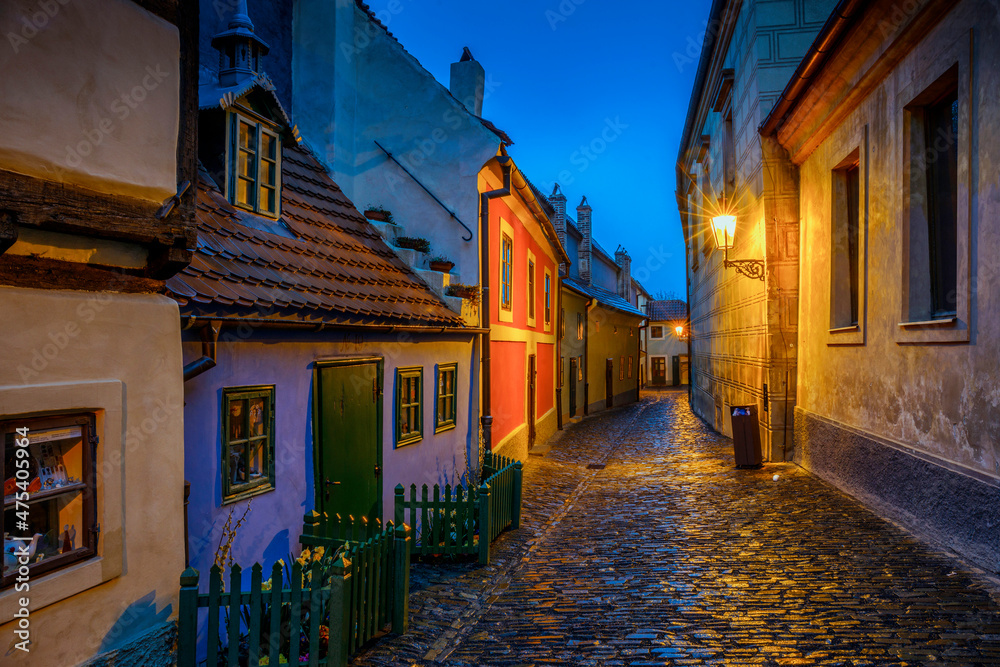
[746, 436]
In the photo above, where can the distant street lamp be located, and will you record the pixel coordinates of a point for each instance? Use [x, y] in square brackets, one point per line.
[681, 335]
[724, 227]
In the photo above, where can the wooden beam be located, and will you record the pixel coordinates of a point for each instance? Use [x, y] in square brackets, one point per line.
[41, 273]
[8, 230]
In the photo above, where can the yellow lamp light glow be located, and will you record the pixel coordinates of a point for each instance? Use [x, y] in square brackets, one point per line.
[679, 329]
[724, 227]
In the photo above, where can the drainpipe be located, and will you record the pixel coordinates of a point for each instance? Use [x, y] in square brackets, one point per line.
[560, 327]
[187, 497]
[209, 339]
[486, 303]
[586, 357]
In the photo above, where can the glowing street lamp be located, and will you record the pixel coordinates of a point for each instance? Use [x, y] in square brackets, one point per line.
[724, 227]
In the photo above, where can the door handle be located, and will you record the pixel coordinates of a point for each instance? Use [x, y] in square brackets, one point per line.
[378, 470]
[328, 485]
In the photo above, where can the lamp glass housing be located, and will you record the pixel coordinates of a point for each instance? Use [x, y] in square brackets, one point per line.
[679, 329]
[724, 227]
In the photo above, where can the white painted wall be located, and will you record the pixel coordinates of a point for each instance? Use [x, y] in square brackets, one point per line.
[363, 86]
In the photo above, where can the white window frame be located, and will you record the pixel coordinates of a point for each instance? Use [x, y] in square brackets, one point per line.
[530, 288]
[662, 329]
[505, 314]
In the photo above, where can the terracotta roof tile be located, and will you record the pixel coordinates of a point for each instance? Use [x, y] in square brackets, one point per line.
[330, 266]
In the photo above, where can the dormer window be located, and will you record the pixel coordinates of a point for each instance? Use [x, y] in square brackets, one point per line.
[254, 166]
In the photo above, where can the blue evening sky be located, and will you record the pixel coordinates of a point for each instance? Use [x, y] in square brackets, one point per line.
[594, 94]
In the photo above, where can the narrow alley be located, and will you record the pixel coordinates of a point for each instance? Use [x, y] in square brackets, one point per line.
[641, 544]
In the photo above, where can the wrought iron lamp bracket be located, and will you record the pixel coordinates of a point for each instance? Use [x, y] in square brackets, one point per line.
[751, 268]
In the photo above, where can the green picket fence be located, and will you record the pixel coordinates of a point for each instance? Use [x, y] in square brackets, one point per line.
[451, 522]
[363, 592]
[334, 532]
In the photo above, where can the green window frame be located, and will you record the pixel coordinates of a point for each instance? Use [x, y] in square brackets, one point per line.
[531, 290]
[506, 272]
[254, 166]
[409, 405]
[446, 408]
[548, 298]
[247, 442]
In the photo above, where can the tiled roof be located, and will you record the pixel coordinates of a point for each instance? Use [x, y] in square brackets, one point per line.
[667, 310]
[211, 95]
[603, 296]
[321, 262]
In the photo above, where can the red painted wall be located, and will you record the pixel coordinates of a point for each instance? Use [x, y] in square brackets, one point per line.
[509, 387]
[523, 242]
[545, 384]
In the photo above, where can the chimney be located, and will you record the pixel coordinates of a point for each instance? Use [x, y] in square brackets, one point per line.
[624, 262]
[468, 81]
[558, 201]
[583, 222]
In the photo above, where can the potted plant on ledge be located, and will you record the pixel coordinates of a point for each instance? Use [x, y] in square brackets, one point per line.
[379, 214]
[412, 243]
[470, 292]
[440, 263]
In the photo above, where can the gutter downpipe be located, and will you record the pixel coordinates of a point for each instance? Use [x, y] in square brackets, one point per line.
[209, 340]
[486, 302]
[560, 327]
[586, 358]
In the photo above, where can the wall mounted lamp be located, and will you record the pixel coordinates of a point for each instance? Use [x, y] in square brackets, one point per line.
[724, 227]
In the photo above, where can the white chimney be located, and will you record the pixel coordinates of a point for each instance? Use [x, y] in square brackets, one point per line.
[468, 82]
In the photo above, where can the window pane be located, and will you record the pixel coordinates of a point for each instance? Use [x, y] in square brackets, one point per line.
[267, 200]
[237, 464]
[256, 417]
[268, 145]
[247, 166]
[248, 136]
[258, 459]
[267, 172]
[853, 235]
[237, 420]
[942, 205]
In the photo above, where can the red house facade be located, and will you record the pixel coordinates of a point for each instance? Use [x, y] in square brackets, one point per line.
[521, 258]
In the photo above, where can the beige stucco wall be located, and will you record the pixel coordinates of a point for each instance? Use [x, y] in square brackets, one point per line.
[119, 355]
[939, 399]
[90, 95]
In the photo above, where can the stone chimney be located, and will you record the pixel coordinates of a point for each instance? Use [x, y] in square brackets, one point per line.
[558, 201]
[468, 81]
[624, 263]
[583, 222]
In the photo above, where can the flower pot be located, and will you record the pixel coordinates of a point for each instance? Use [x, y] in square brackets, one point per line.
[381, 216]
[443, 267]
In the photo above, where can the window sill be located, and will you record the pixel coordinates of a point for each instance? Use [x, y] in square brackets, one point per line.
[943, 322]
[929, 332]
[450, 426]
[247, 493]
[409, 441]
[842, 330]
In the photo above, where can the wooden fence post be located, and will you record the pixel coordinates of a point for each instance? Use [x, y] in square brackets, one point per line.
[311, 524]
[401, 580]
[484, 524]
[516, 499]
[340, 612]
[399, 506]
[187, 619]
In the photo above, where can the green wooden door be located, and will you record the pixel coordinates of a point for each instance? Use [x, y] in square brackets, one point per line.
[348, 460]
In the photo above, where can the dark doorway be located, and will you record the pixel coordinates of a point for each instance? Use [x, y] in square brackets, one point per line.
[659, 371]
[531, 400]
[609, 382]
[348, 449]
[675, 368]
[573, 371]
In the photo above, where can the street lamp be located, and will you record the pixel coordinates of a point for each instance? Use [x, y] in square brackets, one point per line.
[724, 226]
[680, 332]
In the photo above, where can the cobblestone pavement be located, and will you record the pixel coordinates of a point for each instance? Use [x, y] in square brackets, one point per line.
[670, 556]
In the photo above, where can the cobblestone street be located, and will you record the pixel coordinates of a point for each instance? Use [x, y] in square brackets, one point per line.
[642, 545]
